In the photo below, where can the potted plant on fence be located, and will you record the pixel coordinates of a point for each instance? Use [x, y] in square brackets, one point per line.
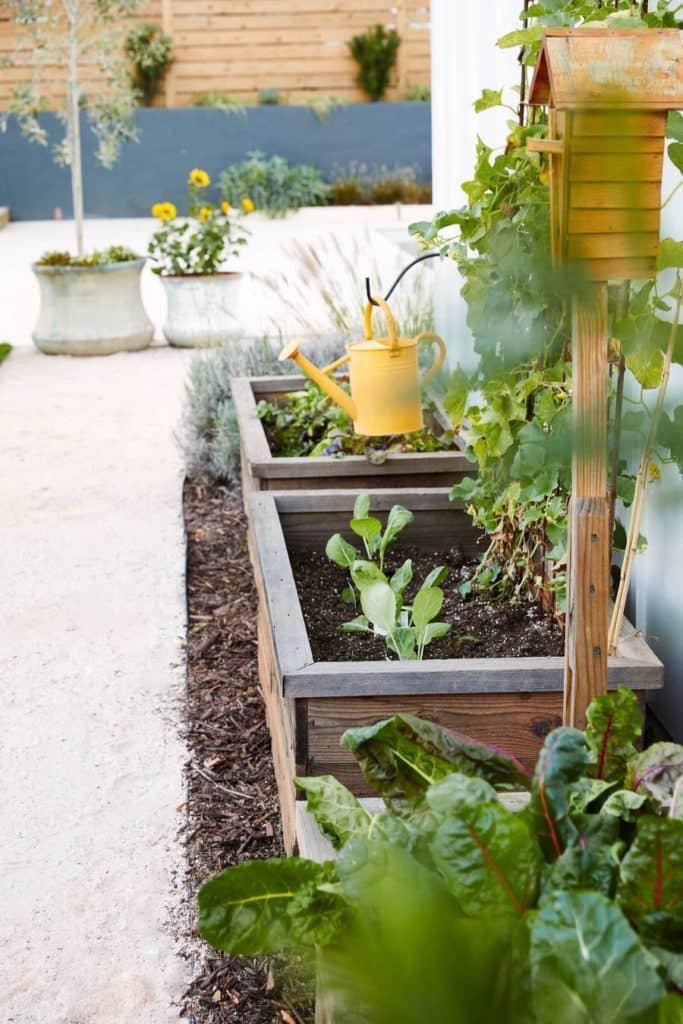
[188, 253]
[90, 304]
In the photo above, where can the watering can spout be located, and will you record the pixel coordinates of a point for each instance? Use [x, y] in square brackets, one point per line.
[325, 383]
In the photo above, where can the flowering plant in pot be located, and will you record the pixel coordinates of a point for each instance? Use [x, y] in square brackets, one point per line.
[90, 304]
[188, 254]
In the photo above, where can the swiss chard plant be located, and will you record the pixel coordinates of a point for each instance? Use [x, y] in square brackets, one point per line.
[407, 628]
[451, 904]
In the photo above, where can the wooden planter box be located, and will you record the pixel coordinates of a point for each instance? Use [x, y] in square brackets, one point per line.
[262, 471]
[510, 702]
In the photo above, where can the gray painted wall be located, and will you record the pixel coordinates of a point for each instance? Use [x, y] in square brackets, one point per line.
[171, 142]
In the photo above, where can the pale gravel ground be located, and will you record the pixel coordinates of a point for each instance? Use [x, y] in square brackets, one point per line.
[91, 631]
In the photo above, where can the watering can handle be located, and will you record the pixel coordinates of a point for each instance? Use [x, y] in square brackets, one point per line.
[441, 355]
[391, 323]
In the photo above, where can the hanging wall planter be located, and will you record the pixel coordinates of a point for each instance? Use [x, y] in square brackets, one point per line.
[91, 310]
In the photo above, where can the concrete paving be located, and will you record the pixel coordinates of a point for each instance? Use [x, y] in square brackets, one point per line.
[92, 675]
[92, 625]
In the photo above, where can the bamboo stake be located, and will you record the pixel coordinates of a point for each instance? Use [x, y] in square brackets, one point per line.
[642, 476]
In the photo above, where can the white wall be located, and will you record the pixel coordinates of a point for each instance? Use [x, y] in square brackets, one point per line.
[659, 571]
[465, 60]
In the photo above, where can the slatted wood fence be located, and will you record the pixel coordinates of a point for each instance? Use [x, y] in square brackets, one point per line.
[243, 46]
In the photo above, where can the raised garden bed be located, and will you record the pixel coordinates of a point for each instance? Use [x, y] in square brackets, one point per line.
[511, 702]
[262, 471]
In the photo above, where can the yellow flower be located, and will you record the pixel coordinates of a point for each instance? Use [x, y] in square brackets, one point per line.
[247, 205]
[226, 207]
[204, 213]
[199, 178]
[654, 471]
[164, 211]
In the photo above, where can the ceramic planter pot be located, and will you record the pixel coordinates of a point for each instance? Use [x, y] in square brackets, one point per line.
[91, 311]
[202, 309]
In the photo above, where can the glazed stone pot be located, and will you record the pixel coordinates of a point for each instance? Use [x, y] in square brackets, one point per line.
[91, 311]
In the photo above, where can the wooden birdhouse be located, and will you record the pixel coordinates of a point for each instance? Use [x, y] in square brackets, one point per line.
[608, 92]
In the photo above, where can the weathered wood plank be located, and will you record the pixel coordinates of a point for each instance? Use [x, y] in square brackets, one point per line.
[517, 722]
[611, 195]
[586, 221]
[637, 245]
[626, 166]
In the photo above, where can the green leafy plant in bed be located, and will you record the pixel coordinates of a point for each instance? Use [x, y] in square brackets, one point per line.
[406, 628]
[518, 313]
[308, 422]
[566, 910]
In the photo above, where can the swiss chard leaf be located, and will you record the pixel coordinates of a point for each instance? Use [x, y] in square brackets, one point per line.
[656, 772]
[614, 723]
[563, 759]
[651, 874]
[588, 965]
[263, 906]
[624, 804]
[592, 862]
[339, 814]
[378, 602]
[398, 519]
[341, 552]
[671, 1010]
[402, 756]
[401, 578]
[489, 859]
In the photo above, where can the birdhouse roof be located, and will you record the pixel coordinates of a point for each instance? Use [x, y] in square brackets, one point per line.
[638, 69]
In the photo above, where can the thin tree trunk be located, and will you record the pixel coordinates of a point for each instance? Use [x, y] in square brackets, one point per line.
[75, 138]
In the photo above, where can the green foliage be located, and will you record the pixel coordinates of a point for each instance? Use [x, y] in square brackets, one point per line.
[97, 258]
[149, 50]
[221, 101]
[209, 435]
[5, 349]
[359, 185]
[456, 892]
[323, 105]
[614, 725]
[375, 51]
[270, 97]
[91, 26]
[418, 92]
[519, 434]
[275, 186]
[308, 422]
[406, 628]
[199, 243]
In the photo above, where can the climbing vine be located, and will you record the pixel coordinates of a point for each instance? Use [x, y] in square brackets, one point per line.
[515, 405]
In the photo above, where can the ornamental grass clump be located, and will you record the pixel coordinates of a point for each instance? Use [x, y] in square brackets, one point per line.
[200, 242]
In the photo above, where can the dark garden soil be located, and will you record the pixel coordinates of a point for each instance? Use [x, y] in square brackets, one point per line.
[232, 803]
[482, 626]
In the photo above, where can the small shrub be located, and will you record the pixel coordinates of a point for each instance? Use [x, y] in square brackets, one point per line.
[221, 101]
[417, 93]
[270, 97]
[275, 186]
[358, 185]
[149, 50]
[323, 105]
[375, 51]
[5, 349]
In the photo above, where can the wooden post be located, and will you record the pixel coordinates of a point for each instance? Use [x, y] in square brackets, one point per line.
[169, 79]
[401, 57]
[589, 517]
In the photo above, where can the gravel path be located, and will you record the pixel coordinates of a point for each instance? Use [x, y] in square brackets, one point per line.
[91, 676]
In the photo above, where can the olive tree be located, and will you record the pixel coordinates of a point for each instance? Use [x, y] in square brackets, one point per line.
[76, 48]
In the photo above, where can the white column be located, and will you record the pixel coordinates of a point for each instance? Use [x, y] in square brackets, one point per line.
[465, 60]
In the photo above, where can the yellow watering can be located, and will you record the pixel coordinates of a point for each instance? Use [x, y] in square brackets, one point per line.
[384, 376]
